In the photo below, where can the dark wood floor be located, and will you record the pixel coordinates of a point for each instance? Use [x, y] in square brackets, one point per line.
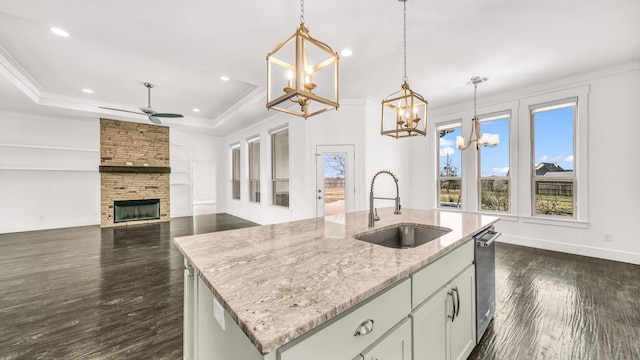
[557, 306]
[91, 293]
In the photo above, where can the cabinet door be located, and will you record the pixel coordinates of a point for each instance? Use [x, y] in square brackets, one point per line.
[394, 345]
[430, 327]
[463, 328]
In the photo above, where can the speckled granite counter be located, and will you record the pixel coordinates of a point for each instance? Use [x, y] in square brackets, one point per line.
[280, 281]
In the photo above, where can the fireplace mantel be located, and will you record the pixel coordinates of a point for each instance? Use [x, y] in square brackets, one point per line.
[135, 169]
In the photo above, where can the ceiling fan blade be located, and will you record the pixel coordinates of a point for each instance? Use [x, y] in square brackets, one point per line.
[155, 120]
[168, 115]
[132, 112]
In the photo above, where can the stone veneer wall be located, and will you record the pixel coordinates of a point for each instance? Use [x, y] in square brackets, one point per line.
[141, 145]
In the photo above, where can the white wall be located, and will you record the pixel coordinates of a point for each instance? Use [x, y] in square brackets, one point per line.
[396, 155]
[192, 152]
[49, 170]
[356, 122]
[263, 212]
[613, 195]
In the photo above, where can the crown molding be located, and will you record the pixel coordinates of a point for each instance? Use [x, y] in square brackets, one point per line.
[18, 76]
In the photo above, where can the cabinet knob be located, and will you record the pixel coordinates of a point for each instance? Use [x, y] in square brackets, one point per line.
[364, 328]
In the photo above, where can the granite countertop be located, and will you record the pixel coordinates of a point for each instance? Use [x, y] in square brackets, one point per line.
[280, 281]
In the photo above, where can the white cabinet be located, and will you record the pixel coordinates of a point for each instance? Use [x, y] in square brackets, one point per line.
[377, 316]
[395, 345]
[444, 325]
[441, 325]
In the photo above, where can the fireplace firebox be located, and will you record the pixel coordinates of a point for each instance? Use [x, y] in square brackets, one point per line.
[136, 210]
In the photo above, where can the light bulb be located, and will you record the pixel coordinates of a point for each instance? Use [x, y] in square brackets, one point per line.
[484, 139]
[289, 78]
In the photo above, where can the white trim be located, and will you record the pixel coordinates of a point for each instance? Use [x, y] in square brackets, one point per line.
[591, 251]
[245, 100]
[252, 139]
[47, 147]
[18, 76]
[555, 221]
[49, 225]
[278, 129]
[46, 169]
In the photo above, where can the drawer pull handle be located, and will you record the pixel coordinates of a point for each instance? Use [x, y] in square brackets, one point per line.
[364, 328]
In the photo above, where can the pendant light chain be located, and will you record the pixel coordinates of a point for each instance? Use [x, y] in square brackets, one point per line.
[404, 78]
[475, 90]
[301, 11]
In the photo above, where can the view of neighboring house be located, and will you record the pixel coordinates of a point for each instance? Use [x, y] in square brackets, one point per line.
[544, 168]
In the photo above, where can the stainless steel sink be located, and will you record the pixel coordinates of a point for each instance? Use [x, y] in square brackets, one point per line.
[403, 236]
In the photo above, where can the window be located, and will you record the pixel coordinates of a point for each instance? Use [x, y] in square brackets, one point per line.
[254, 170]
[280, 167]
[494, 182]
[450, 166]
[235, 172]
[553, 158]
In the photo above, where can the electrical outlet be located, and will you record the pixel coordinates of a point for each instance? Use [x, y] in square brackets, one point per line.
[608, 236]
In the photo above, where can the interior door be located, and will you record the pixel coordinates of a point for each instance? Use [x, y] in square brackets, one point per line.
[334, 180]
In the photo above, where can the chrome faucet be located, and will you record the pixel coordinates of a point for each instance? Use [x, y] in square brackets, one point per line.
[373, 213]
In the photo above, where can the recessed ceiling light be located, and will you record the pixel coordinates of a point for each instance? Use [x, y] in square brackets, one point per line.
[59, 32]
[196, 110]
[87, 91]
[346, 52]
[224, 78]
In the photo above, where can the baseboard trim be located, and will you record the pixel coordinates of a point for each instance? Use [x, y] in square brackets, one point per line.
[591, 251]
[48, 226]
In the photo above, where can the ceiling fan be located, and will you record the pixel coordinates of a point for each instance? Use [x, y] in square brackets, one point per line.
[152, 114]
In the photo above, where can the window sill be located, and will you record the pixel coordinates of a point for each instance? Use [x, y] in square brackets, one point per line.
[578, 224]
[502, 216]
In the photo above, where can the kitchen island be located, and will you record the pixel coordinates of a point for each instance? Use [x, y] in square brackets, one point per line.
[279, 291]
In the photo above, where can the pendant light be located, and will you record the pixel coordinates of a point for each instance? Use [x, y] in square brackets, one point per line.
[486, 139]
[404, 110]
[303, 71]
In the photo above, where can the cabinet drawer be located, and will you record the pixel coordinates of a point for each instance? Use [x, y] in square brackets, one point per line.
[428, 280]
[336, 340]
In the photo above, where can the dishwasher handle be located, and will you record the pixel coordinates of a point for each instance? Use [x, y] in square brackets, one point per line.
[488, 243]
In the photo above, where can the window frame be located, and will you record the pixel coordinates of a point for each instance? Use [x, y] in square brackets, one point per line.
[236, 172]
[274, 181]
[485, 118]
[450, 124]
[535, 179]
[251, 142]
[581, 163]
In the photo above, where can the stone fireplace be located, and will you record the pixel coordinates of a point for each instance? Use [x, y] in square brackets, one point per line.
[134, 171]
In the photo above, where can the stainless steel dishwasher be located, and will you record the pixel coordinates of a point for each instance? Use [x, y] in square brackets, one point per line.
[485, 259]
